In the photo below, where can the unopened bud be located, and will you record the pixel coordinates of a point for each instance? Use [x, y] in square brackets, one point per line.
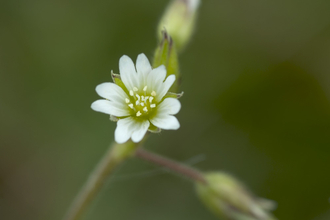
[229, 199]
[166, 55]
[179, 21]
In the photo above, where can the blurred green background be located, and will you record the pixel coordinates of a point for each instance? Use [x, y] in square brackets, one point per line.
[256, 78]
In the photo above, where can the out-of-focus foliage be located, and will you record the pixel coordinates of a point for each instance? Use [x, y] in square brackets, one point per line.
[256, 104]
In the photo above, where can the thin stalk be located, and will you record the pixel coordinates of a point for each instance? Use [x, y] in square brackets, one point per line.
[116, 154]
[174, 166]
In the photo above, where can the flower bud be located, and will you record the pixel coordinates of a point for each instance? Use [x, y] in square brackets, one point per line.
[229, 199]
[166, 55]
[179, 21]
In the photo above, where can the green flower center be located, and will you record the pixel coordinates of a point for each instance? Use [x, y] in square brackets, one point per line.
[141, 103]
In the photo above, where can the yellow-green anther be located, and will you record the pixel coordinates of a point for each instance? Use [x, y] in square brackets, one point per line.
[229, 199]
[179, 21]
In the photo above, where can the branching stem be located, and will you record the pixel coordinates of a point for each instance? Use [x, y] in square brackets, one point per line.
[171, 165]
[116, 154]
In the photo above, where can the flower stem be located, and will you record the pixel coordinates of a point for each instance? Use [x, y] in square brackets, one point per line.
[116, 154]
[171, 165]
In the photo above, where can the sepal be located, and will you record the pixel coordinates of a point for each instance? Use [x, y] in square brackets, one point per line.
[166, 55]
[116, 78]
[113, 118]
[153, 129]
[174, 95]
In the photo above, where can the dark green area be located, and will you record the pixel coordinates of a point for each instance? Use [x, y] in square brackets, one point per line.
[256, 78]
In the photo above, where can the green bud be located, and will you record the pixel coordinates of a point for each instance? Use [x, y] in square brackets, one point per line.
[229, 199]
[166, 55]
[179, 21]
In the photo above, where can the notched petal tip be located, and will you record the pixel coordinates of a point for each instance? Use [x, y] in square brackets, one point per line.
[161, 72]
[125, 61]
[141, 130]
[143, 65]
[123, 130]
[128, 72]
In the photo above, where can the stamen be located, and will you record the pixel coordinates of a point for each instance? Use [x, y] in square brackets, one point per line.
[137, 102]
[142, 103]
[142, 98]
[131, 92]
[150, 99]
[138, 114]
[152, 105]
[145, 88]
[153, 93]
[145, 109]
[137, 96]
[135, 89]
[127, 100]
[131, 106]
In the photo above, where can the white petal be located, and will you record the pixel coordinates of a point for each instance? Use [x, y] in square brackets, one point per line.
[170, 106]
[155, 79]
[112, 92]
[129, 127]
[125, 128]
[127, 72]
[141, 131]
[160, 72]
[167, 122]
[111, 108]
[142, 65]
[165, 87]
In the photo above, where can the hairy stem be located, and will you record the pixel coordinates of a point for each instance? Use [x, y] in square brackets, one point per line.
[171, 165]
[116, 154]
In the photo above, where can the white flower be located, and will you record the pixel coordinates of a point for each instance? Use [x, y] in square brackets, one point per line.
[139, 99]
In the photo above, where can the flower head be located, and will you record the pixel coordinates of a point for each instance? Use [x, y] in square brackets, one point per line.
[139, 99]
